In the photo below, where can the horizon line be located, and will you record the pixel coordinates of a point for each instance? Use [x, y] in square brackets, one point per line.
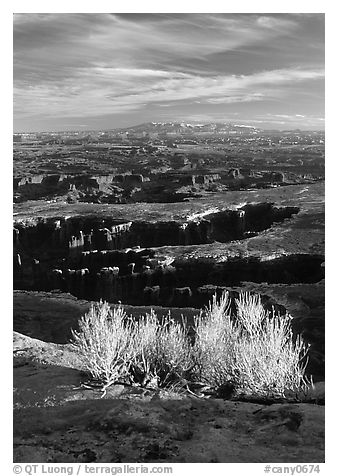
[173, 122]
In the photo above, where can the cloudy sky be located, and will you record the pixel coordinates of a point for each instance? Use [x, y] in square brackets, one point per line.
[100, 71]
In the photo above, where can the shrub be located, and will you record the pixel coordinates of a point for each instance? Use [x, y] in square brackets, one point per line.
[113, 347]
[143, 370]
[162, 350]
[214, 348]
[256, 352]
[272, 361]
[105, 343]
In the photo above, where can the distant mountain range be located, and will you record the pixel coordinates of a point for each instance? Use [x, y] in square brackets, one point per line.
[188, 128]
[185, 128]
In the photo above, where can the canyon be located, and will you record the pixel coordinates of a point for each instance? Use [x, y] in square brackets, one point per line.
[102, 258]
[172, 259]
[179, 258]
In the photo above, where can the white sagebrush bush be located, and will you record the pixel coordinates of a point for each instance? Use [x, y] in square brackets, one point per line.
[174, 350]
[114, 347]
[256, 352]
[105, 342]
[270, 360]
[216, 336]
[162, 350]
[143, 370]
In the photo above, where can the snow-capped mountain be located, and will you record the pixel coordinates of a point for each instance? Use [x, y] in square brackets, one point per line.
[189, 128]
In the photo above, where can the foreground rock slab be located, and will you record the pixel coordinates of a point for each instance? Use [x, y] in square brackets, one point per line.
[57, 420]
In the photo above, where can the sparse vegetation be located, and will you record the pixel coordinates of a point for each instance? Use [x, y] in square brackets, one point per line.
[105, 343]
[254, 351]
[147, 352]
[162, 350]
[214, 349]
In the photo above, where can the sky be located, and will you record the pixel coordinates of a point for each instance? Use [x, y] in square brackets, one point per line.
[99, 71]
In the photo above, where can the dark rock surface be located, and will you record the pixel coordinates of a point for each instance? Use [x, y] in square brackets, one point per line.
[50, 316]
[58, 421]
